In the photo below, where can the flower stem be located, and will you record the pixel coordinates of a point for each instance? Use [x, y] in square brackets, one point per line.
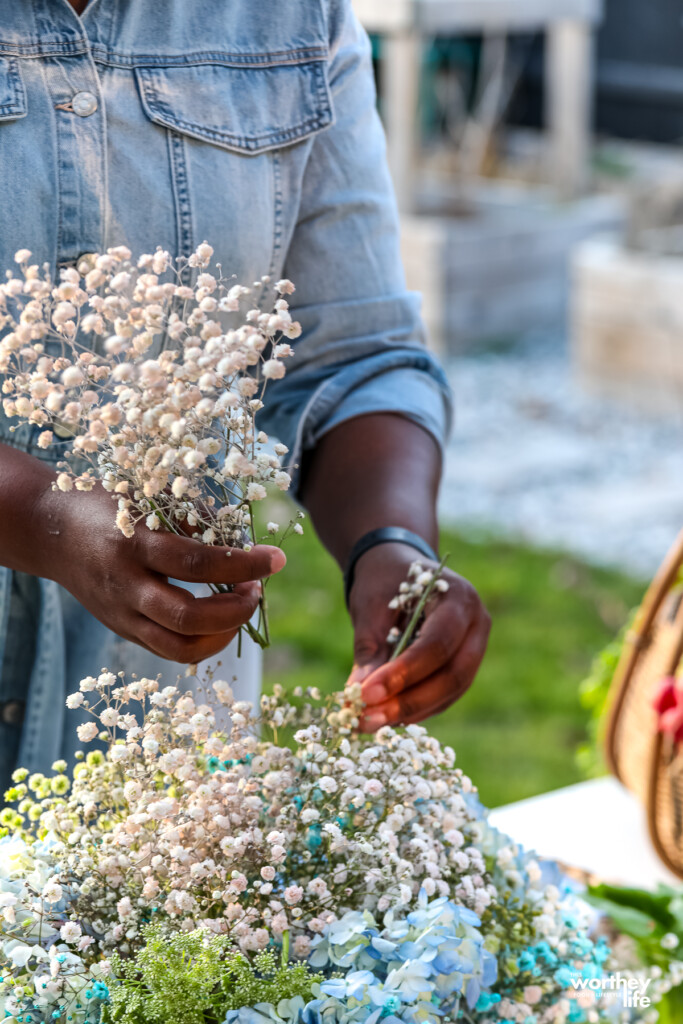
[264, 616]
[262, 639]
[256, 636]
[417, 614]
[169, 526]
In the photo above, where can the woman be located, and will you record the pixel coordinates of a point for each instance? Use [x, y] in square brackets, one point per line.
[253, 126]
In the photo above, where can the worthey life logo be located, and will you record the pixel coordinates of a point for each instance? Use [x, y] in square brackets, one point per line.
[630, 992]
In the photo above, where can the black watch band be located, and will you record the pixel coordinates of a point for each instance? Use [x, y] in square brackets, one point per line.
[385, 535]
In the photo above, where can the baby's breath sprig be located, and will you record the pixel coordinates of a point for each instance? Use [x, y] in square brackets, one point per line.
[412, 600]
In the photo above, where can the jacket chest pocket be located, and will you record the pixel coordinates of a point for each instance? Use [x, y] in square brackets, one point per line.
[237, 137]
[247, 108]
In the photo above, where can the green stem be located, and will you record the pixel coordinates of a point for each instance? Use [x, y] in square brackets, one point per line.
[262, 639]
[285, 948]
[255, 635]
[417, 614]
[264, 615]
[169, 526]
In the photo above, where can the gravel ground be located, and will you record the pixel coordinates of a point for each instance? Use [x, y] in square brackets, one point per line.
[535, 458]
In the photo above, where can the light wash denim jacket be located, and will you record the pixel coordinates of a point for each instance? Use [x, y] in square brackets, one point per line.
[251, 124]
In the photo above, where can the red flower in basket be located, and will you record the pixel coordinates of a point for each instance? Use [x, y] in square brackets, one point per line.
[668, 703]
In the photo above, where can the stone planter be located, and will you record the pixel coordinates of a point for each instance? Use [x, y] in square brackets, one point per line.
[500, 268]
[627, 325]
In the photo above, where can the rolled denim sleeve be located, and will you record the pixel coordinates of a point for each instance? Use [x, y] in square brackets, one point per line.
[362, 348]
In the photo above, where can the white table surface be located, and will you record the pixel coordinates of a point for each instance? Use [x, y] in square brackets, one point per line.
[597, 826]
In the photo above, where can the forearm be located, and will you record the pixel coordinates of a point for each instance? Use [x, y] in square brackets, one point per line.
[384, 470]
[25, 512]
[372, 471]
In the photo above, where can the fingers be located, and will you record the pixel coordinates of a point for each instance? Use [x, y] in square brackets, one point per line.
[361, 670]
[178, 611]
[369, 652]
[185, 559]
[440, 637]
[433, 694]
[174, 647]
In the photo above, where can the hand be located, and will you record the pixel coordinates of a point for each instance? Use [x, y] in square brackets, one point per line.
[438, 667]
[124, 581]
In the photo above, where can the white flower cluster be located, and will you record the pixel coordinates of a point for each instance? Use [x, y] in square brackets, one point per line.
[247, 836]
[155, 381]
[411, 601]
[46, 958]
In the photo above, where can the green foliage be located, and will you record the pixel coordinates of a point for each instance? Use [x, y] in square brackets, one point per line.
[593, 692]
[265, 981]
[644, 916]
[193, 978]
[647, 917]
[516, 730]
[670, 1009]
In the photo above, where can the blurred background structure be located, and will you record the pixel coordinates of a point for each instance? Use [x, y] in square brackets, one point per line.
[536, 151]
[535, 147]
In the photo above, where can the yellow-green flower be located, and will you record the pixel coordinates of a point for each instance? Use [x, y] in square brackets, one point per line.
[60, 783]
[10, 818]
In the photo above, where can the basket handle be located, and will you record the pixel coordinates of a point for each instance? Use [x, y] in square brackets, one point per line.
[661, 585]
[651, 809]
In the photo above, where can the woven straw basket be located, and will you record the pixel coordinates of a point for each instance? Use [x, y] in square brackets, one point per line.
[646, 760]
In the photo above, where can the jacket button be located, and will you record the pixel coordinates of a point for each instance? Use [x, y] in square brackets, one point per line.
[84, 103]
[85, 263]
[12, 712]
[60, 430]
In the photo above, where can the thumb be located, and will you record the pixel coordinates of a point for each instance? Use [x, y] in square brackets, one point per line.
[368, 655]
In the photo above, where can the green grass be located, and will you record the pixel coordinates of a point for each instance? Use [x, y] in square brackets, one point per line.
[516, 731]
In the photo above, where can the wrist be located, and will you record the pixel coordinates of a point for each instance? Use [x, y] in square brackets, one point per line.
[383, 567]
[25, 486]
[385, 554]
[49, 526]
[379, 537]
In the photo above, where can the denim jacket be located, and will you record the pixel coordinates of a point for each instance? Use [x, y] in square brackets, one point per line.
[163, 122]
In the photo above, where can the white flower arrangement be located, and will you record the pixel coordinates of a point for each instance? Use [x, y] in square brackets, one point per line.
[368, 860]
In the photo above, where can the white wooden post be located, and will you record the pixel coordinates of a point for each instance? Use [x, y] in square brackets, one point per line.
[569, 25]
[569, 81]
[400, 63]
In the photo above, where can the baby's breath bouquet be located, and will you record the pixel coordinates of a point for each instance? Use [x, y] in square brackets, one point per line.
[285, 870]
[150, 374]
